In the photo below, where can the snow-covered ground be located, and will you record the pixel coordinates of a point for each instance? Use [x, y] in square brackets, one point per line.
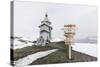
[30, 58]
[56, 39]
[18, 44]
[87, 48]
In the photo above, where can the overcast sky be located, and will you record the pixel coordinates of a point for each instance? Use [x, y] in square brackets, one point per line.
[28, 16]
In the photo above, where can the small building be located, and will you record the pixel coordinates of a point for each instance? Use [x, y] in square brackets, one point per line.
[45, 31]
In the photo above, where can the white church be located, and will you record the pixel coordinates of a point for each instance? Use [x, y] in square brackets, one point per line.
[45, 32]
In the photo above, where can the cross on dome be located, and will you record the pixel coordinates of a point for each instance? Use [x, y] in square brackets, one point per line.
[46, 17]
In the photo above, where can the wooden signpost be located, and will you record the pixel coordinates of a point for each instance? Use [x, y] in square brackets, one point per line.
[69, 32]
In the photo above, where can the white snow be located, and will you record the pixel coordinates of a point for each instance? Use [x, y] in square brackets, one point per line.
[18, 44]
[87, 48]
[56, 39]
[30, 58]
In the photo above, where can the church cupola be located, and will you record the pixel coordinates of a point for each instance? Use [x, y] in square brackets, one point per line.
[46, 20]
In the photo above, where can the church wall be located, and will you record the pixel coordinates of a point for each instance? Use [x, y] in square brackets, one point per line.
[44, 28]
[45, 35]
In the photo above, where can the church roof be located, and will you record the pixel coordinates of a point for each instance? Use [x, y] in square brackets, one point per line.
[45, 31]
[45, 25]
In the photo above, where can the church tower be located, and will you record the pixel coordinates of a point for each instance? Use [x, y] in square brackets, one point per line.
[45, 31]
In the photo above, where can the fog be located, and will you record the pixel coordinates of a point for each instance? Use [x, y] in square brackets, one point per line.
[28, 16]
